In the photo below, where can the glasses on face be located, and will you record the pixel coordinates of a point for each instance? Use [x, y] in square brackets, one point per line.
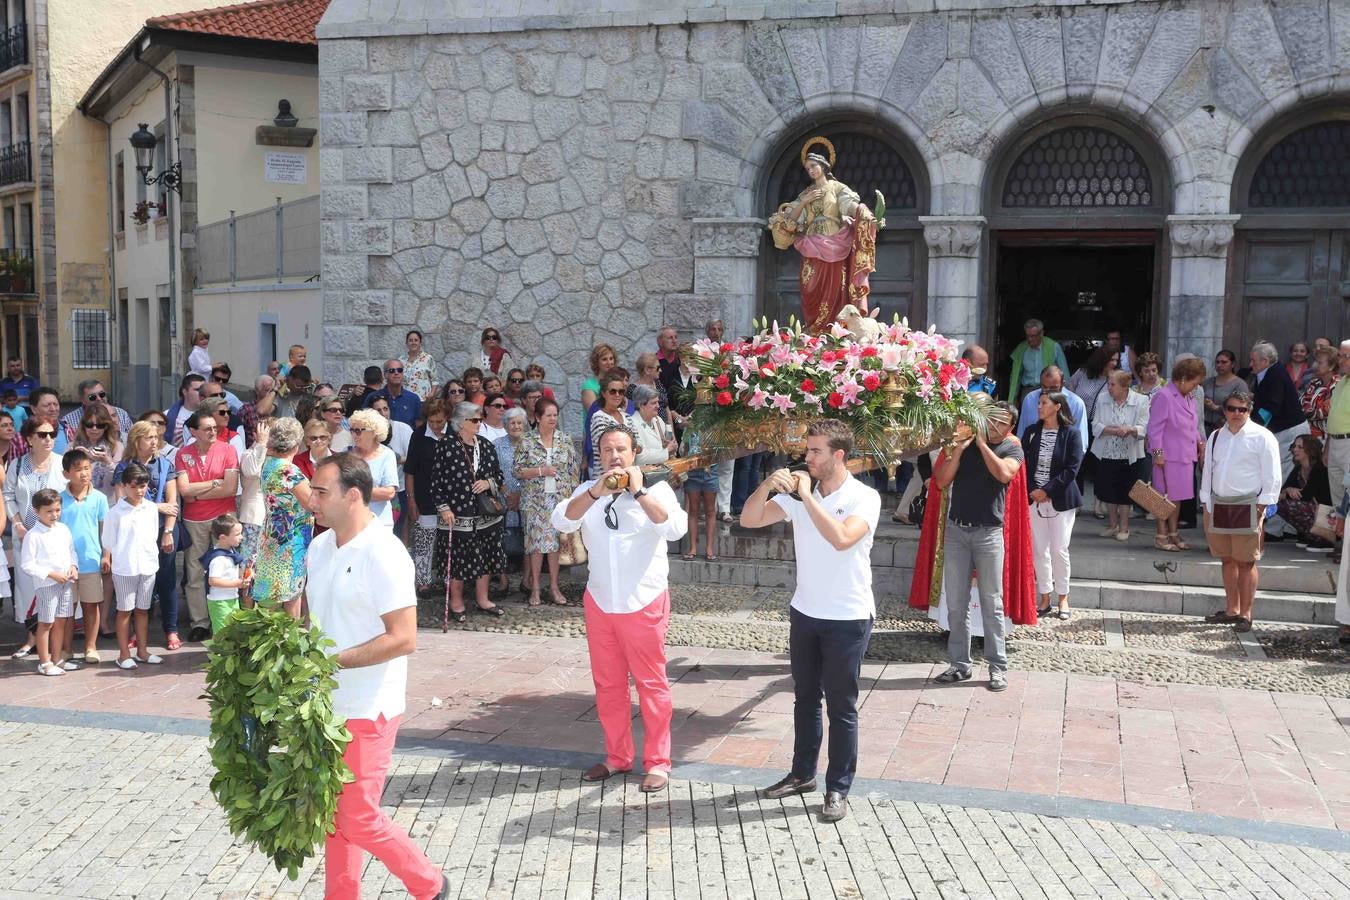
[358, 431]
[497, 405]
[398, 371]
[1236, 409]
[492, 337]
[317, 437]
[222, 412]
[459, 391]
[212, 396]
[101, 395]
[614, 391]
[45, 435]
[474, 421]
[336, 409]
[516, 380]
[94, 425]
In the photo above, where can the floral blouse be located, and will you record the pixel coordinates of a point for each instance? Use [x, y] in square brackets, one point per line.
[419, 375]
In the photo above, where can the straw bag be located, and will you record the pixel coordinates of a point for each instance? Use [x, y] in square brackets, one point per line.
[1323, 526]
[571, 549]
[1144, 494]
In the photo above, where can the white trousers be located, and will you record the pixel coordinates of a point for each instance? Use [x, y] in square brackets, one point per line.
[1050, 534]
[724, 476]
[1338, 464]
[1342, 589]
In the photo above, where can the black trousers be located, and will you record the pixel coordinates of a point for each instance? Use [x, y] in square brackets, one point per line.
[826, 657]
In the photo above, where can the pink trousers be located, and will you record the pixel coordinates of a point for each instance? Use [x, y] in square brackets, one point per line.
[360, 825]
[624, 644]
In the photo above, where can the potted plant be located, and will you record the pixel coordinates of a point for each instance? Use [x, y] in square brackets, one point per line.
[141, 215]
[20, 267]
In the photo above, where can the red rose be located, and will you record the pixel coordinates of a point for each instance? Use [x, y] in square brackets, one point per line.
[722, 381]
[869, 351]
[871, 381]
[808, 386]
[835, 399]
[724, 398]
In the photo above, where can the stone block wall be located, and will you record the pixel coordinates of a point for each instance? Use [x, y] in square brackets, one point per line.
[575, 178]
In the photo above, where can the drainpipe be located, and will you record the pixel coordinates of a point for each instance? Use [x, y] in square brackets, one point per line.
[119, 389]
[173, 236]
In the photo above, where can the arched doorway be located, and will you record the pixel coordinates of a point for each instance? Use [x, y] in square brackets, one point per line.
[870, 159]
[1291, 259]
[1077, 208]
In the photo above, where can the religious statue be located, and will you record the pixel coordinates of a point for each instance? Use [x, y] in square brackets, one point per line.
[836, 236]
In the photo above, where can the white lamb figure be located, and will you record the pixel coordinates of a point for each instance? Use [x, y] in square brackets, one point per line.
[865, 329]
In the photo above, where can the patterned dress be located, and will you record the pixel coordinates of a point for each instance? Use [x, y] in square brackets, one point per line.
[453, 472]
[419, 375]
[286, 532]
[536, 504]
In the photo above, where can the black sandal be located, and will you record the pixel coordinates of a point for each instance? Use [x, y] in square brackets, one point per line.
[496, 611]
[459, 617]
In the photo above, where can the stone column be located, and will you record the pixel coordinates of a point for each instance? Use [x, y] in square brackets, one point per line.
[726, 269]
[1199, 275]
[953, 274]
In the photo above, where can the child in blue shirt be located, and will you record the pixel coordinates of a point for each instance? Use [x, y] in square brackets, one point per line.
[83, 510]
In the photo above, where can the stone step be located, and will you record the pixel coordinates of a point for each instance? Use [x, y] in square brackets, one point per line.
[1285, 568]
[1119, 596]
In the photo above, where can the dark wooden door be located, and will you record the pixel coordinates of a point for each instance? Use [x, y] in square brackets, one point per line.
[1292, 285]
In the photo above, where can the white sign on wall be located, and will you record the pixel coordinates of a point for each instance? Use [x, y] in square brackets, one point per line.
[285, 168]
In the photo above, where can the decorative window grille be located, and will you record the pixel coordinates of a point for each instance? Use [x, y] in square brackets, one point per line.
[1310, 167]
[1078, 166]
[89, 339]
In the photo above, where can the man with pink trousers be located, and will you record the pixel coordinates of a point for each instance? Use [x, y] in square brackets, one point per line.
[626, 525]
[1175, 442]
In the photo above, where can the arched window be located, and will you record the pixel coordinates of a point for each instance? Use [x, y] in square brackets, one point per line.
[1310, 167]
[869, 159]
[1079, 166]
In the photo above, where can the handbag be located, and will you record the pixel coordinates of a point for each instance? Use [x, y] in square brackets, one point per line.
[513, 541]
[1323, 527]
[490, 502]
[1144, 494]
[571, 549]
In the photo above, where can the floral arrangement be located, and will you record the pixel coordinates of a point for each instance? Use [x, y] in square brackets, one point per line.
[900, 390]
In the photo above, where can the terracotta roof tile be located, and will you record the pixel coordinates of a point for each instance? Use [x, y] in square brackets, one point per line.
[286, 21]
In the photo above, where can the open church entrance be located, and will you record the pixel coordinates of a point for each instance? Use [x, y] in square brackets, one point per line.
[1080, 286]
[1076, 224]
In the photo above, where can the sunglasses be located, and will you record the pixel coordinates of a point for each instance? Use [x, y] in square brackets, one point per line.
[94, 425]
[474, 421]
[492, 337]
[497, 405]
[393, 371]
[516, 380]
[455, 391]
[336, 409]
[45, 434]
[1236, 409]
[615, 391]
[612, 517]
[358, 430]
[317, 437]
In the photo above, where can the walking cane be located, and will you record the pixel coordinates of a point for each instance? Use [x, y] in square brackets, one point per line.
[445, 616]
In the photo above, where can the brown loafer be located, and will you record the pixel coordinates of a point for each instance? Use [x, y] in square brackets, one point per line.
[600, 772]
[1242, 624]
[1221, 617]
[653, 782]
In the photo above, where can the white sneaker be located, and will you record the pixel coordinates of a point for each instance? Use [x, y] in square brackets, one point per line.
[151, 660]
[127, 663]
[70, 666]
[49, 669]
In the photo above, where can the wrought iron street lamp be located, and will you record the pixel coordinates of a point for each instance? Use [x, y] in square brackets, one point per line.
[144, 143]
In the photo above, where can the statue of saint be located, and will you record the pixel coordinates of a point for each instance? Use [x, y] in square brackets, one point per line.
[836, 236]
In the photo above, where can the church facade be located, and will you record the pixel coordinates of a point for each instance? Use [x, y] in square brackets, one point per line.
[1177, 170]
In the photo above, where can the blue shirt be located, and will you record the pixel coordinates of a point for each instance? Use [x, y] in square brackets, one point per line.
[982, 384]
[22, 386]
[18, 414]
[85, 518]
[405, 408]
[1028, 417]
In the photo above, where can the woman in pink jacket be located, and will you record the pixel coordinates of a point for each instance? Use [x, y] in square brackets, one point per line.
[1175, 444]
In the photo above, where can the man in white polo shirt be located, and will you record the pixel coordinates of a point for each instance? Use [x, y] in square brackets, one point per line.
[361, 593]
[627, 600]
[832, 607]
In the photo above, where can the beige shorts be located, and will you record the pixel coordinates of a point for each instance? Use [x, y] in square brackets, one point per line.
[1244, 548]
[89, 588]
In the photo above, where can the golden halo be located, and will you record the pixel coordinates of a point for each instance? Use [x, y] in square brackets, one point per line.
[818, 139]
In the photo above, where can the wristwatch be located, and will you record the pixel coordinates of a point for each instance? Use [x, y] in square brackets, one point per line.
[641, 492]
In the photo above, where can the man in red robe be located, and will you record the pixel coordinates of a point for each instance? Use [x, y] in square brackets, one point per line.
[975, 519]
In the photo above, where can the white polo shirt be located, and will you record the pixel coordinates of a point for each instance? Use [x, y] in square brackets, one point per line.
[834, 584]
[349, 589]
[628, 565]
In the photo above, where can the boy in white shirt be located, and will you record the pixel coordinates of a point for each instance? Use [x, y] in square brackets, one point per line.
[131, 555]
[48, 556]
[226, 574]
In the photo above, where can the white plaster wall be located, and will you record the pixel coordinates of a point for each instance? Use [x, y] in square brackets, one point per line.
[232, 316]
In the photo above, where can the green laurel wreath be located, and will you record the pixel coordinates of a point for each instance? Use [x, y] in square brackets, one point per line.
[275, 742]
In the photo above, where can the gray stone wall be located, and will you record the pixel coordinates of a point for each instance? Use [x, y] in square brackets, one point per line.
[574, 184]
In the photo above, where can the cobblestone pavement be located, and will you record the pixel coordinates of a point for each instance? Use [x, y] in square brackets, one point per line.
[130, 815]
